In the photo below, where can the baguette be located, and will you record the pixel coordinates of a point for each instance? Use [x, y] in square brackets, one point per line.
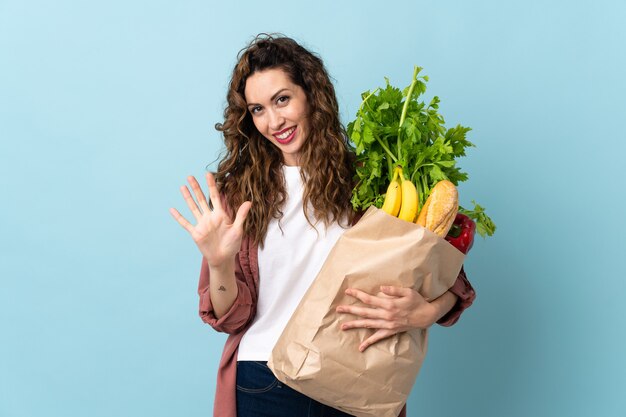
[440, 208]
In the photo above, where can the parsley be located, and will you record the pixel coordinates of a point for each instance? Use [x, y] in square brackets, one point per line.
[393, 127]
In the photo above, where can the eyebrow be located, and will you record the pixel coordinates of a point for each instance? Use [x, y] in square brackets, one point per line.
[271, 99]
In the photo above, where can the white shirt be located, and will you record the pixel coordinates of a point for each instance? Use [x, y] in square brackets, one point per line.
[288, 264]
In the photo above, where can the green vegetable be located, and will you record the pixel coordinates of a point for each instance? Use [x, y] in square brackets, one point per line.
[393, 127]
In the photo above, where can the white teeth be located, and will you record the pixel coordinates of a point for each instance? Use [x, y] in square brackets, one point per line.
[286, 134]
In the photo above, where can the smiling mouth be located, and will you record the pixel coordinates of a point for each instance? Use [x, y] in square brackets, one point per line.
[286, 135]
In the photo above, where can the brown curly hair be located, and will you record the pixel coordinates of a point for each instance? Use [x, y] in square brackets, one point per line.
[250, 169]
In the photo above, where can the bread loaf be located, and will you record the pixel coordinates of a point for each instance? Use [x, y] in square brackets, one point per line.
[440, 208]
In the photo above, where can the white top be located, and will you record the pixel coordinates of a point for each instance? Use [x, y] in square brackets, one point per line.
[288, 264]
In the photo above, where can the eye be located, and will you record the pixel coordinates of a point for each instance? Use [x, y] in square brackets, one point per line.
[255, 109]
[282, 100]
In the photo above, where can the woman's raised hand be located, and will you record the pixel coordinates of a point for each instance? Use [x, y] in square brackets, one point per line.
[217, 236]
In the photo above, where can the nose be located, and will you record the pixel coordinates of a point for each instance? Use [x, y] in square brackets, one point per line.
[276, 120]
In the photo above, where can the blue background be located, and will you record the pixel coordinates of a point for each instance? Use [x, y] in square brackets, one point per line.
[106, 107]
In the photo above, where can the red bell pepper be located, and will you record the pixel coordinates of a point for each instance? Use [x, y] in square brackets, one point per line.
[461, 234]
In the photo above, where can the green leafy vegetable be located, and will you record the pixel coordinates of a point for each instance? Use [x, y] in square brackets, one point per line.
[393, 127]
[484, 225]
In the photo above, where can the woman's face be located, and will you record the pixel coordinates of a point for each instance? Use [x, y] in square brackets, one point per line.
[279, 111]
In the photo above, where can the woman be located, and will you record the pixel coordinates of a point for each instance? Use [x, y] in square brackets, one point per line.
[280, 200]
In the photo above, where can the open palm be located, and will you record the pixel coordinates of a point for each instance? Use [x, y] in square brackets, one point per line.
[217, 236]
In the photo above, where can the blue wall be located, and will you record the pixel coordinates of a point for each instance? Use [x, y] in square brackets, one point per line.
[106, 107]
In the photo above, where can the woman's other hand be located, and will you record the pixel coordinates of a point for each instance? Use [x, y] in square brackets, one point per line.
[217, 236]
[393, 310]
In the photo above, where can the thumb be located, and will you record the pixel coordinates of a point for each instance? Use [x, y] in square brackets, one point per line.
[242, 213]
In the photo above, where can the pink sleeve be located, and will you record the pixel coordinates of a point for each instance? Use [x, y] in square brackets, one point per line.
[466, 295]
[241, 311]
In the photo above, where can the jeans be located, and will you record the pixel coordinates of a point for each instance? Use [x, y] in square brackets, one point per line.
[260, 394]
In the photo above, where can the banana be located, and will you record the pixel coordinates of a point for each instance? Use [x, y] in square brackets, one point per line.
[393, 197]
[408, 208]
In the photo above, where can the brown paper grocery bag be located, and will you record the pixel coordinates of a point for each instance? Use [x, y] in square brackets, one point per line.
[314, 356]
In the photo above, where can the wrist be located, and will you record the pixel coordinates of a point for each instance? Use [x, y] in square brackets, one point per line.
[224, 267]
[444, 304]
[426, 315]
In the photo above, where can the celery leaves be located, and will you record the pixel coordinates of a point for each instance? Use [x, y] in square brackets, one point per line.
[390, 130]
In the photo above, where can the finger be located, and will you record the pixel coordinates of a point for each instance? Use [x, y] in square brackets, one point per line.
[368, 324]
[195, 186]
[376, 337]
[365, 312]
[396, 291]
[242, 213]
[191, 203]
[368, 298]
[181, 220]
[214, 195]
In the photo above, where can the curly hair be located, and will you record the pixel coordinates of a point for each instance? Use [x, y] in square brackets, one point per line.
[250, 169]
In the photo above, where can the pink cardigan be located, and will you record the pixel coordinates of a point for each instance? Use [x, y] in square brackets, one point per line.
[236, 321]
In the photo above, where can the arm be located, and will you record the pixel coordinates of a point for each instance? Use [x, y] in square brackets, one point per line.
[240, 311]
[465, 296]
[222, 287]
[219, 238]
[397, 309]
[443, 305]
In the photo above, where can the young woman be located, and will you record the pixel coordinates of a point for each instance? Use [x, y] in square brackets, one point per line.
[279, 201]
